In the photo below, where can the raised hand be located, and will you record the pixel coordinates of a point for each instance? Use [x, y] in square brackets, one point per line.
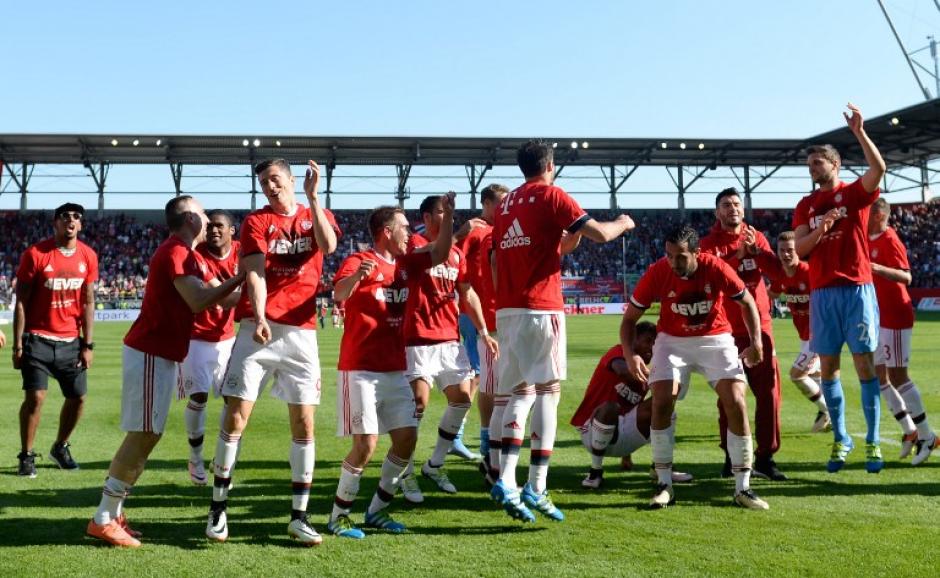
[626, 222]
[312, 179]
[855, 122]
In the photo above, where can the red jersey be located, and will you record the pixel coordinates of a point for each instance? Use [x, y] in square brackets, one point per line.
[606, 386]
[841, 256]
[894, 302]
[57, 287]
[725, 244]
[691, 306]
[293, 264]
[431, 315]
[373, 339]
[217, 323]
[796, 289]
[476, 248]
[166, 321]
[526, 242]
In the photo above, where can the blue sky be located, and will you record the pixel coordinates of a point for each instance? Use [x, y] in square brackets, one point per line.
[744, 69]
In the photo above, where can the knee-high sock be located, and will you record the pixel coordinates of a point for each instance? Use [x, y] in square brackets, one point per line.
[544, 429]
[451, 422]
[740, 450]
[514, 418]
[809, 388]
[392, 469]
[195, 418]
[871, 407]
[346, 490]
[496, 427]
[302, 458]
[484, 439]
[226, 452]
[835, 402]
[915, 405]
[601, 434]
[112, 499]
[898, 408]
[661, 446]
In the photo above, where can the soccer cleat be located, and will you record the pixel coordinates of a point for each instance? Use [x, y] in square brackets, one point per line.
[663, 497]
[908, 441]
[197, 473]
[511, 502]
[677, 477]
[122, 522]
[459, 449]
[542, 503]
[383, 521]
[60, 454]
[112, 533]
[594, 479]
[300, 530]
[748, 499]
[343, 527]
[217, 527]
[27, 467]
[924, 447]
[411, 490]
[768, 470]
[840, 450]
[439, 477]
[822, 422]
[874, 463]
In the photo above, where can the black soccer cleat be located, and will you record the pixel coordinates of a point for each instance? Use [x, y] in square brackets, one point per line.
[27, 467]
[62, 456]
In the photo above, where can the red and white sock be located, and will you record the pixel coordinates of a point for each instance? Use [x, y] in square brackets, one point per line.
[113, 495]
[496, 432]
[195, 419]
[601, 434]
[226, 452]
[302, 456]
[915, 405]
[544, 430]
[514, 418]
[346, 490]
[393, 469]
[447, 430]
[740, 450]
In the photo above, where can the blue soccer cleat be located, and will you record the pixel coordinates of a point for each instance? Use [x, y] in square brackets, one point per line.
[837, 458]
[511, 502]
[542, 503]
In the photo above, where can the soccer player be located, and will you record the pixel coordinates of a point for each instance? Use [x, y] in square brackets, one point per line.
[831, 226]
[790, 276]
[53, 328]
[891, 276]
[724, 240]
[282, 250]
[614, 417]
[432, 341]
[210, 344]
[477, 247]
[153, 349]
[374, 396]
[527, 245]
[694, 335]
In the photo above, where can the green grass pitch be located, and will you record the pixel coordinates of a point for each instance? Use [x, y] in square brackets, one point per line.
[848, 524]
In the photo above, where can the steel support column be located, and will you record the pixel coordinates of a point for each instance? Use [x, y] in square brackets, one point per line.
[177, 170]
[475, 181]
[330, 167]
[27, 172]
[100, 176]
[680, 184]
[925, 181]
[402, 193]
[748, 202]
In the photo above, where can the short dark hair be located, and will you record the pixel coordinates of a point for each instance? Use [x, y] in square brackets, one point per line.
[429, 204]
[645, 328]
[827, 151]
[174, 214]
[729, 192]
[380, 217]
[786, 236]
[882, 204]
[533, 157]
[493, 192]
[68, 208]
[222, 213]
[683, 234]
[266, 164]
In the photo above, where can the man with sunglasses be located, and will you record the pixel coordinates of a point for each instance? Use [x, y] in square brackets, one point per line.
[52, 331]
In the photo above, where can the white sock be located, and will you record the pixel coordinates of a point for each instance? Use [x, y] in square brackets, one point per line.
[544, 430]
[195, 418]
[740, 450]
[496, 431]
[447, 431]
[915, 405]
[513, 426]
[601, 434]
[346, 490]
[898, 408]
[226, 452]
[302, 456]
[662, 449]
[112, 497]
[393, 469]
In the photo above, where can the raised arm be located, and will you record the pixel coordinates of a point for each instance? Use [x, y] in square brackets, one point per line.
[604, 231]
[322, 229]
[441, 246]
[876, 165]
[807, 240]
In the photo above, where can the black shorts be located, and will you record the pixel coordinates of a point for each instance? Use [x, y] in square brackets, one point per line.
[60, 359]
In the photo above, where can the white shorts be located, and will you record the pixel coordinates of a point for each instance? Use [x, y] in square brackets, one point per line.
[713, 356]
[290, 358]
[488, 367]
[441, 364]
[147, 390]
[894, 347]
[532, 349]
[204, 367]
[373, 403]
[807, 361]
[629, 439]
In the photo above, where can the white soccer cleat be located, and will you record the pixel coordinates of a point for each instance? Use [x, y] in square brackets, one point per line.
[439, 477]
[908, 442]
[924, 447]
[301, 531]
[411, 490]
[749, 500]
[594, 480]
[822, 422]
[197, 473]
[217, 528]
[663, 496]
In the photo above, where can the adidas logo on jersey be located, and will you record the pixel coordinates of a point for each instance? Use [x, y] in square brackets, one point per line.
[514, 237]
[48, 269]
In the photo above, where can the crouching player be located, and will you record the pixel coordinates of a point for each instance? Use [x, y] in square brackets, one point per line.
[613, 417]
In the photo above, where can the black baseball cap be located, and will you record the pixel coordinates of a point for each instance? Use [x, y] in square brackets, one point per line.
[68, 208]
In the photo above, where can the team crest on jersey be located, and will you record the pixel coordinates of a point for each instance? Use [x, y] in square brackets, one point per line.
[802, 286]
[82, 268]
[48, 269]
[306, 225]
[671, 294]
[874, 253]
[838, 197]
[271, 229]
